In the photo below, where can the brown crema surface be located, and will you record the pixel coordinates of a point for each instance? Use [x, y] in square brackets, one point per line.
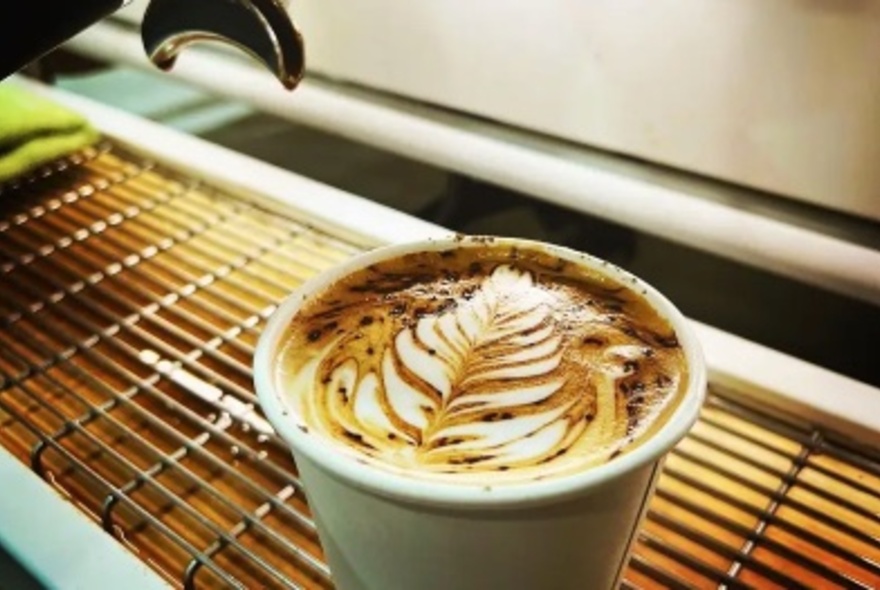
[486, 362]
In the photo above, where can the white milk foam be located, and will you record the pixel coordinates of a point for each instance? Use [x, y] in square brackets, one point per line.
[490, 388]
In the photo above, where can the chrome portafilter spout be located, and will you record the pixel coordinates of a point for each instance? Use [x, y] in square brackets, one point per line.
[261, 28]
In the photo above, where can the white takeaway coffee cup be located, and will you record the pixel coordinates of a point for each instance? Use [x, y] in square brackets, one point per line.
[384, 530]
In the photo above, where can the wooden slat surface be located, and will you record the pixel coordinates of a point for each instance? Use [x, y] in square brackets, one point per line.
[131, 299]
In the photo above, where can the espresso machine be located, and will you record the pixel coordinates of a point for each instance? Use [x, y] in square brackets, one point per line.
[136, 274]
[261, 28]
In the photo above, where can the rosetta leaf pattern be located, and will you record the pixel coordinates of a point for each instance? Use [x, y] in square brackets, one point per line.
[485, 370]
[497, 372]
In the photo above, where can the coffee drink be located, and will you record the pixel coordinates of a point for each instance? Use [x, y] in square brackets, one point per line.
[487, 361]
[451, 400]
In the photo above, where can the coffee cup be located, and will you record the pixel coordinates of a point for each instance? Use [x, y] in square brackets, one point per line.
[502, 520]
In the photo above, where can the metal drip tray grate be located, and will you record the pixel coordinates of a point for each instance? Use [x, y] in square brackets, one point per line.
[131, 299]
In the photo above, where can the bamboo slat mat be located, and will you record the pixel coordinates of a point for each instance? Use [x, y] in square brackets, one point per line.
[131, 299]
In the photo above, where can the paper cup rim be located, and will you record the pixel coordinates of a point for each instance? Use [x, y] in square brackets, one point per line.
[391, 484]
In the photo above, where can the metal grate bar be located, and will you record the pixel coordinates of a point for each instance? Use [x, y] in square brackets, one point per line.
[209, 352]
[153, 471]
[789, 479]
[71, 427]
[147, 385]
[816, 446]
[737, 556]
[656, 543]
[657, 576]
[167, 462]
[767, 517]
[727, 579]
[778, 496]
[98, 277]
[148, 476]
[206, 349]
[131, 301]
[85, 469]
[129, 261]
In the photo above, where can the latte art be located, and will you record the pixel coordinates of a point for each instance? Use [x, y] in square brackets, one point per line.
[453, 365]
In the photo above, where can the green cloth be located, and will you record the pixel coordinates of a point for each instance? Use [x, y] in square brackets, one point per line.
[35, 131]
